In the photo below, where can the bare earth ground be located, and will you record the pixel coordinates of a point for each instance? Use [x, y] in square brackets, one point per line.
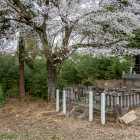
[36, 120]
[110, 83]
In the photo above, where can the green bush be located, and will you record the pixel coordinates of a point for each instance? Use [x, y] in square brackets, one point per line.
[2, 99]
[74, 71]
[80, 67]
[36, 79]
[9, 75]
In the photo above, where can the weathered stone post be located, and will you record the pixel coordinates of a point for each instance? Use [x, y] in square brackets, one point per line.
[102, 108]
[112, 101]
[68, 94]
[57, 100]
[138, 99]
[90, 106]
[134, 99]
[108, 101]
[64, 102]
[130, 70]
[131, 99]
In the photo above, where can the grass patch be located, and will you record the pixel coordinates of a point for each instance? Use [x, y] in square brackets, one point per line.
[11, 136]
[82, 103]
[25, 134]
[7, 135]
[54, 137]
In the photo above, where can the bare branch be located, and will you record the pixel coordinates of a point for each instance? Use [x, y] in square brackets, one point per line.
[12, 6]
[95, 44]
[21, 21]
[100, 2]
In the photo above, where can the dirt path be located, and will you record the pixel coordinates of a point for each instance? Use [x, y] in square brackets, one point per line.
[34, 120]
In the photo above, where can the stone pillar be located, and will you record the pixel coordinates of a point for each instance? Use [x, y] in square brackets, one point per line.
[72, 95]
[131, 99]
[64, 102]
[121, 101]
[77, 93]
[57, 100]
[81, 92]
[117, 99]
[138, 99]
[112, 104]
[130, 70]
[108, 101]
[135, 99]
[90, 106]
[127, 100]
[124, 100]
[66, 92]
[102, 108]
[117, 110]
[84, 92]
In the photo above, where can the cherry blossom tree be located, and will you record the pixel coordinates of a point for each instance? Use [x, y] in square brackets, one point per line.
[63, 26]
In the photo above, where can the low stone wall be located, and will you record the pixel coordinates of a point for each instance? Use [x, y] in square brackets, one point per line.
[127, 99]
[131, 80]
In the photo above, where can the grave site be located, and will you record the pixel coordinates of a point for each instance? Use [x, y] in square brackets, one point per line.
[36, 119]
[70, 69]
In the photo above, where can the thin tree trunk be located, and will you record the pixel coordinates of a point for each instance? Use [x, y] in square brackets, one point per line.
[21, 68]
[51, 79]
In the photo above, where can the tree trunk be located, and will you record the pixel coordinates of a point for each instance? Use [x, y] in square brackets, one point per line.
[51, 79]
[21, 68]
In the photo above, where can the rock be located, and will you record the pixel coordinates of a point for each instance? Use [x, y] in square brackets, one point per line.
[67, 114]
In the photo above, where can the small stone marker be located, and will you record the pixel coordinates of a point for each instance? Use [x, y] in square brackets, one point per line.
[90, 106]
[64, 102]
[102, 108]
[128, 117]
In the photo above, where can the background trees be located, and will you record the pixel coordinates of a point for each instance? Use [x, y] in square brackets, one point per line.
[64, 26]
[74, 71]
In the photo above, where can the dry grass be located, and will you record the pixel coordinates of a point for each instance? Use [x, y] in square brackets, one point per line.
[110, 83]
[39, 120]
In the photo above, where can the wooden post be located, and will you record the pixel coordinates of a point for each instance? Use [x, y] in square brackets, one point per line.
[117, 112]
[64, 102]
[57, 100]
[90, 106]
[102, 108]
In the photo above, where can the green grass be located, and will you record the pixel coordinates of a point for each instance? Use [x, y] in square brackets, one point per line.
[7, 135]
[25, 134]
[82, 103]
[53, 137]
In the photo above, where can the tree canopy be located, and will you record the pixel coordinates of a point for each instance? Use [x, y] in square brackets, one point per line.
[62, 26]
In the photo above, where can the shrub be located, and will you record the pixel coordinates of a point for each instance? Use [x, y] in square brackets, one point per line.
[2, 99]
[9, 75]
[36, 79]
